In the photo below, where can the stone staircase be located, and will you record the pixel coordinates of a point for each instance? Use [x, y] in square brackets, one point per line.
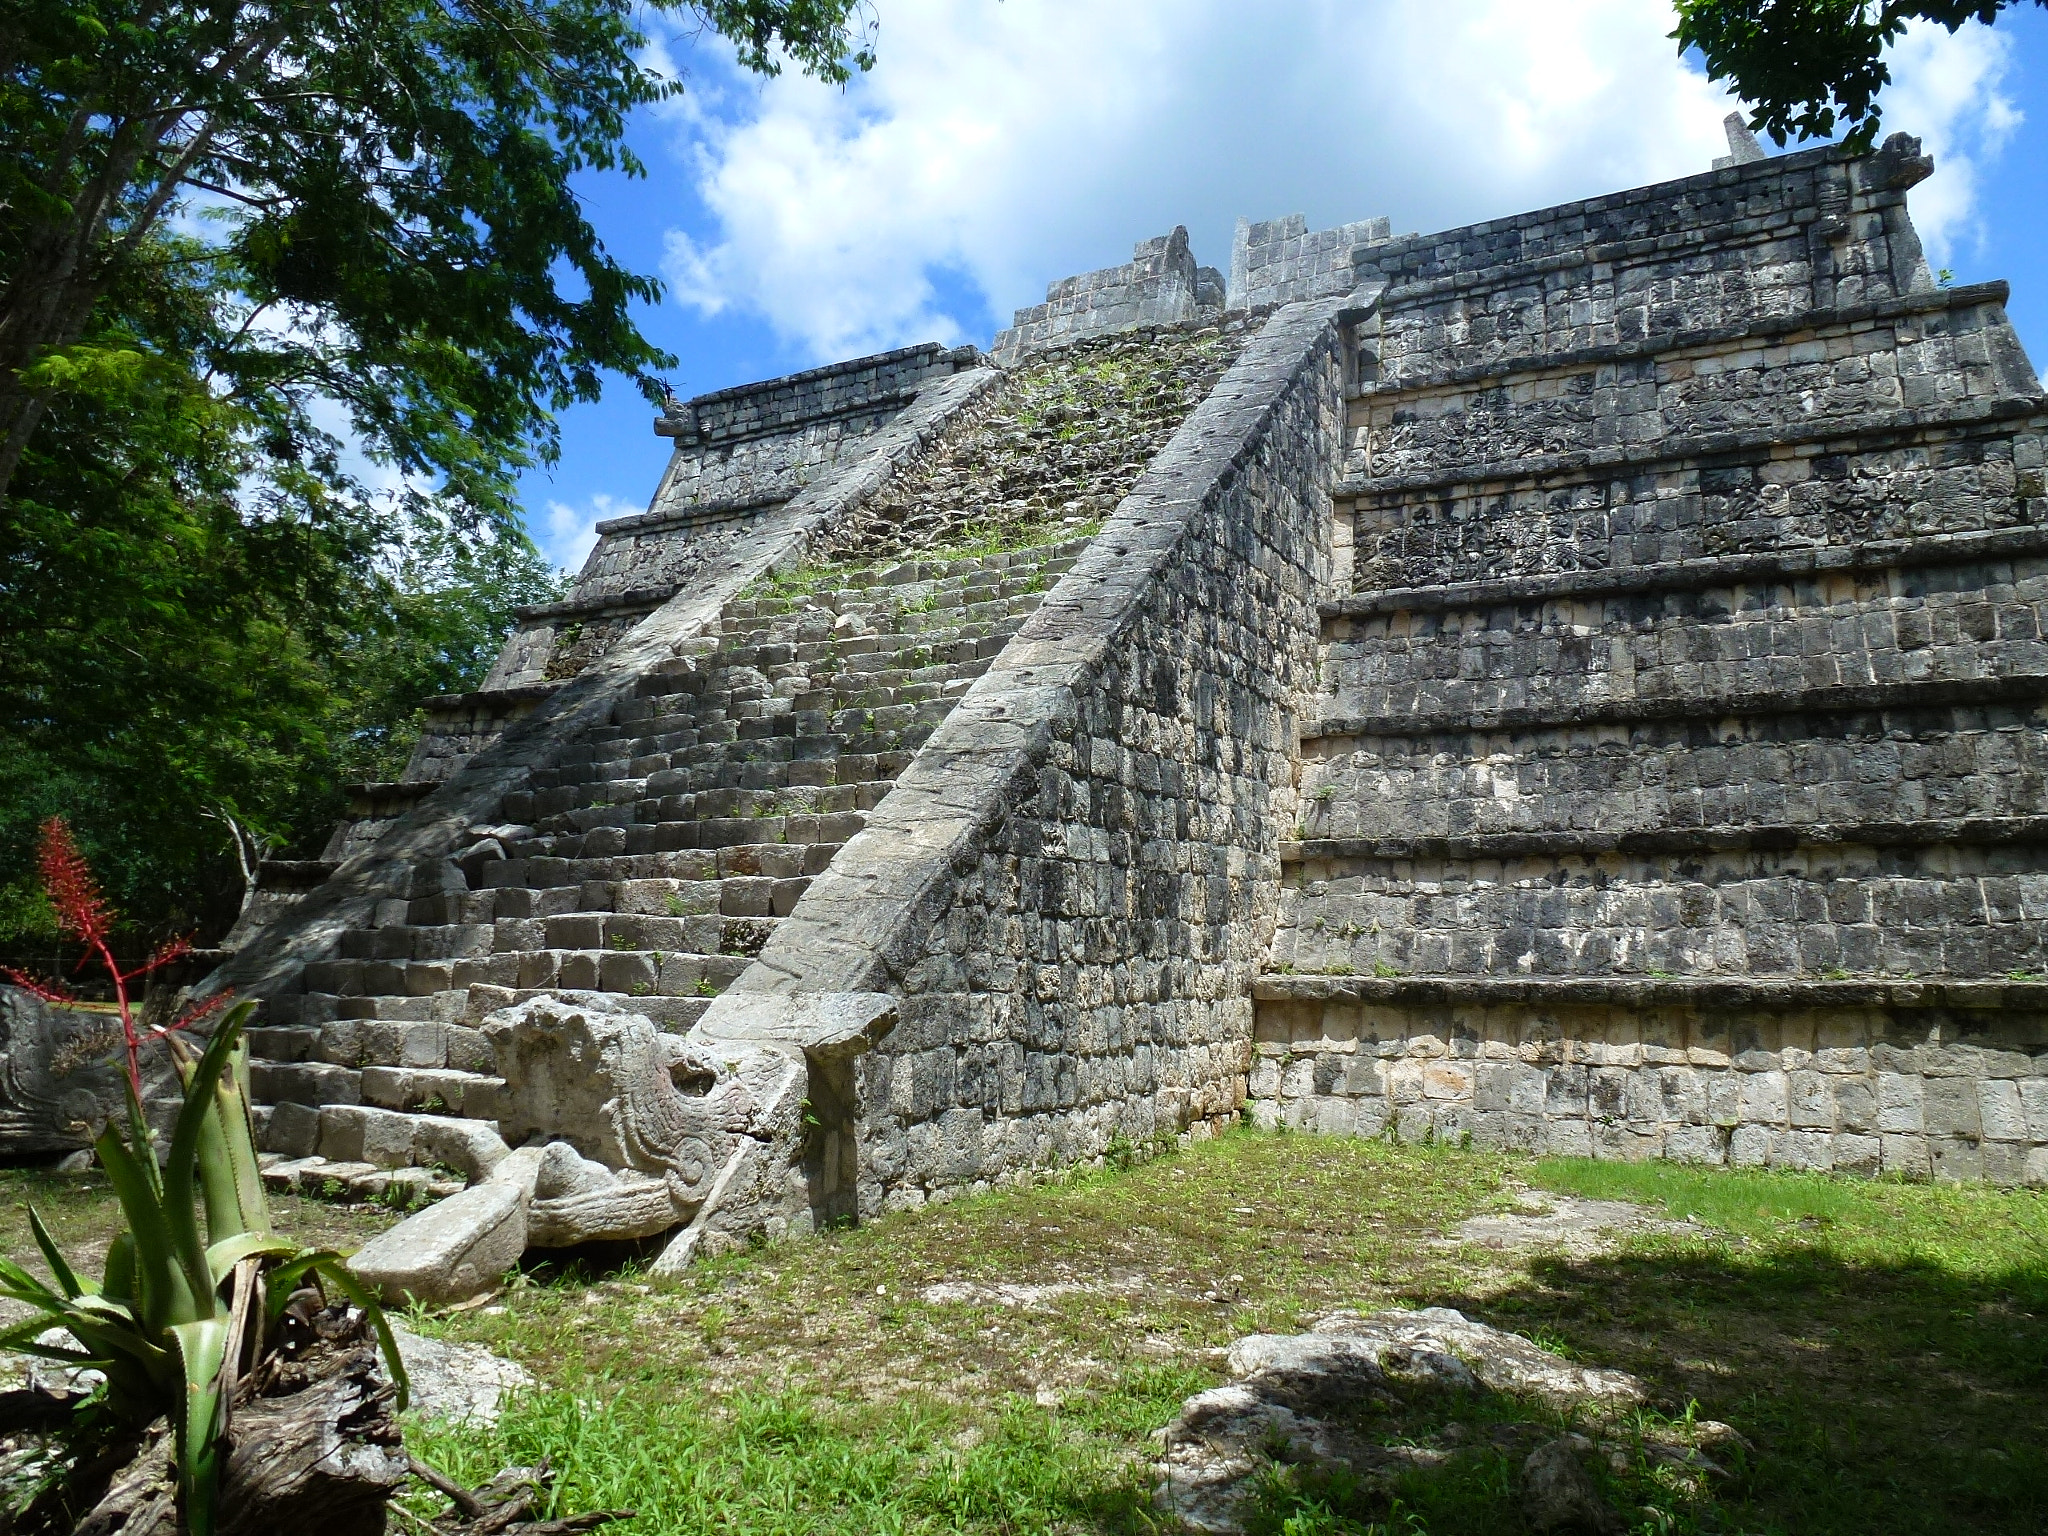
[656, 859]
[651, 858]
[1679, 783]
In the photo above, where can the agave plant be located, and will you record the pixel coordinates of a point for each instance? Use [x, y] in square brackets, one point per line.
[174, 1321]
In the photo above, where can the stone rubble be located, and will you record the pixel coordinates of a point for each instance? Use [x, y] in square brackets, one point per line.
[1307, 1398]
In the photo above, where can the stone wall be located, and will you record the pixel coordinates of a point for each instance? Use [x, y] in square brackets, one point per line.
[1675, 781]
[1159, 285]
[1070, 888]
[1876, 1080]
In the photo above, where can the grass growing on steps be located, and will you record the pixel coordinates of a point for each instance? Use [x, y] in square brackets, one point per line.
[997, 1365]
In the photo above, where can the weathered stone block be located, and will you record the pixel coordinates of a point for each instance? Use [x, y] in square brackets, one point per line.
[449, 1252]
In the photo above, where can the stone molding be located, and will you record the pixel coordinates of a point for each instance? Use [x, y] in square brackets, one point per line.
[1924, 552]
[1912, 425]
[1839, 699]
[2002, 997]
[1981, 831]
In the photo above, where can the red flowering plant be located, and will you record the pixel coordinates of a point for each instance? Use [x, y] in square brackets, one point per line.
[83, 914]
[176, 1322]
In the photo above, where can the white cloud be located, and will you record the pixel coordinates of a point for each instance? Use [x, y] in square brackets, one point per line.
[570, 532]
[998, 146]
[1947, 89]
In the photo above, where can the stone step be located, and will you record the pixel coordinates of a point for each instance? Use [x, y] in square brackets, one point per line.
[430, 1090]
[1978, 995]
[303, 1082]
[1927, 910]
[276, 1042]
[384, 1138]
[674, 1014]
[1642, 778]
[677, 804]
[643, 973]
[1318, 858]
[727, 854]
[370, 1040]
[1706, 708]
[1969, 625]
[321, 1178]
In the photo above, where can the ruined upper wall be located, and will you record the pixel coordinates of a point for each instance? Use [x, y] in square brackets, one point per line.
[1159, 285]
[1280, 261]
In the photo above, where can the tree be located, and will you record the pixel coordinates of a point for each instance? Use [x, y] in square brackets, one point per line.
[1812, 66]
[392, 188]
[289, 295]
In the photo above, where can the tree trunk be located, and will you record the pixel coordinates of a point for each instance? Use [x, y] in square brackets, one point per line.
[323, 1461]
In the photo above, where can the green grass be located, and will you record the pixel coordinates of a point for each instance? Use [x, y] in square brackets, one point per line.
[1862, 1221]
[1884, 1347]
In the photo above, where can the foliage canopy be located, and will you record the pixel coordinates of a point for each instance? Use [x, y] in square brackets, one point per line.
[1811, 67]
[290, 293]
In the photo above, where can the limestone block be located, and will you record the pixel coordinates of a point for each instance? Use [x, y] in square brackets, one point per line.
[1750, 1147]
[1855, 1104]
[2034, 1104]
[1810, 1100]
[1856, 1154]
[1955, 1159]
[2036, 1173]
[1336, 1117]
[1364, 1076]
[1724, 1099]
[1567, 1138]
[1906, 1156]
[1694, 1144]
[450, 1251]
[1608, 1089]
[1265, 1079]
[2003, 1162]
[1764, 1096]
[2000, 1111]
[1951, 1108]
[1446, 1080]
[1805, 1151]
[293, 1130]
[1900, 1103]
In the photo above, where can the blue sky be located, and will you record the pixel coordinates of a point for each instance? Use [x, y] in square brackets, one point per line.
[1001, 144]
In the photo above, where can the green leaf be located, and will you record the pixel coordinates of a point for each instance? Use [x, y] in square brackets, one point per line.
[21, 1340]
[226, 1254]
[232, 1098]
[202, 1346]
[117, 1276]
[333, 1269]
[26, 1287]
[286, 1278]
[195, 1116]
[58, 1267]
[161, 1289]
